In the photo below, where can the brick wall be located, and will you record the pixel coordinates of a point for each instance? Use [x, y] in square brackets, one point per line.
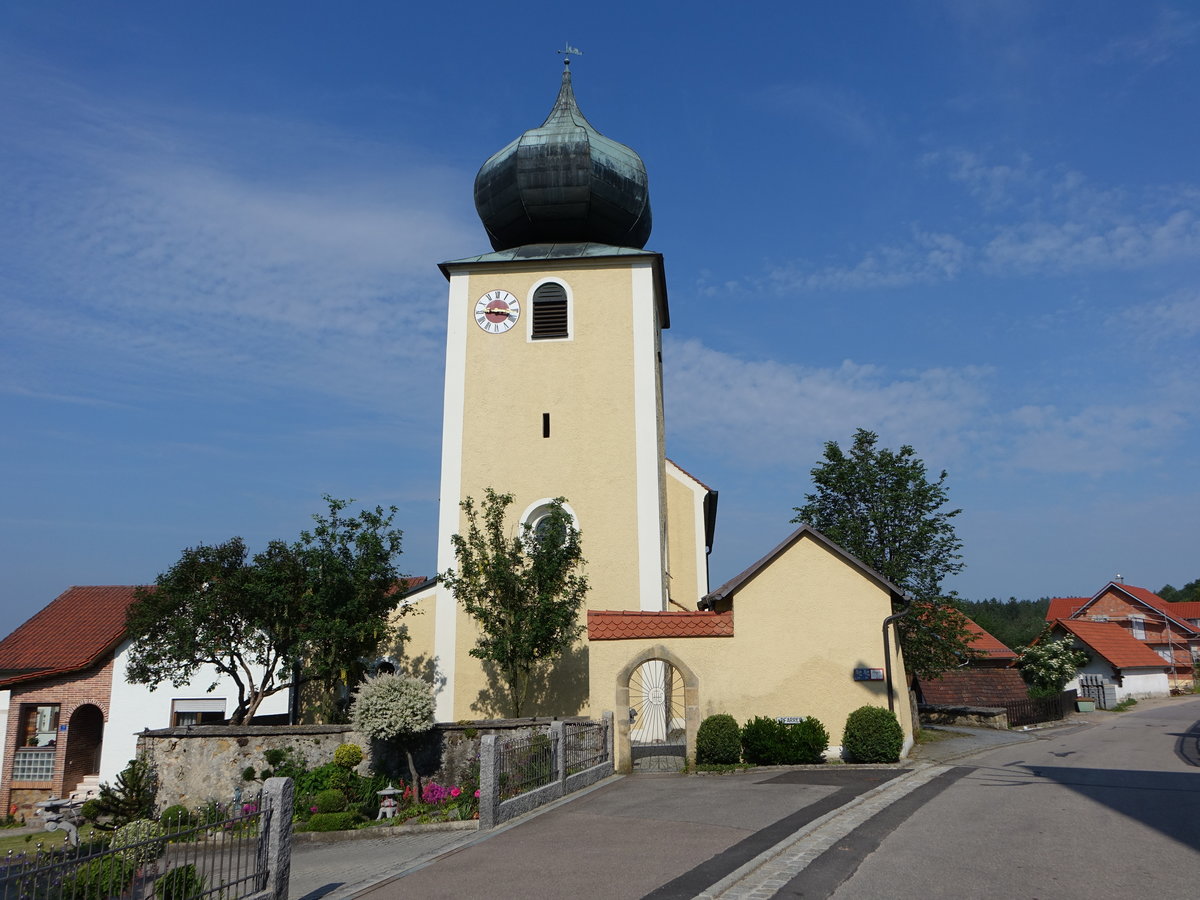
[70, 691]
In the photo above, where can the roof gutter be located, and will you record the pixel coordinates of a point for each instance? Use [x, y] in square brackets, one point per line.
[887, 648]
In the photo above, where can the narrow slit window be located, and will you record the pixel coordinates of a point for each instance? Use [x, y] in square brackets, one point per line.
[545, 425]
[550, 312]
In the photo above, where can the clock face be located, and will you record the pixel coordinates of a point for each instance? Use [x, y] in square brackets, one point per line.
[497, 311]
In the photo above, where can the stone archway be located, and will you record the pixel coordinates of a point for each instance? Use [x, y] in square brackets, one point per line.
[649, 689]
[85, 740]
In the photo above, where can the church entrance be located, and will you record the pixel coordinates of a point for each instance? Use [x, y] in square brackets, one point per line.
[657, 727]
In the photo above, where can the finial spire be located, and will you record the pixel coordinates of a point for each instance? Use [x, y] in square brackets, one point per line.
[567, 52]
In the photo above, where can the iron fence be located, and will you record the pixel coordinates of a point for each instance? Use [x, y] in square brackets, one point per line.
[526, 764]
[1039, 709]
[225, 857]
[585, 744]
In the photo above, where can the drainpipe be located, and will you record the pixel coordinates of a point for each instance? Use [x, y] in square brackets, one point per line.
[887, 649]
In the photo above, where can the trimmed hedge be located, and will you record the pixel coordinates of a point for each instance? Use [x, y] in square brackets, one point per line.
[873, 735]
[764, 742]
[718, 741]
[336, 821]
[330, 801]
[807, 742]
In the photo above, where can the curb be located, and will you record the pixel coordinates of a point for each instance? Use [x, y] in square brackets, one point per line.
[382, 832]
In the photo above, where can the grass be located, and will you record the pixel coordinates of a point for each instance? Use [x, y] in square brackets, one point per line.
[21, 842]
[929, 735]
[1125, 704]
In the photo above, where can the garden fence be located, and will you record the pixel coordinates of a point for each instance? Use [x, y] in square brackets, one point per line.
[517, 775]
[241, 853]
[1041, 709]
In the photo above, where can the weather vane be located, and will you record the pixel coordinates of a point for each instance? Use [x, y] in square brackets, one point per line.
[568, 52]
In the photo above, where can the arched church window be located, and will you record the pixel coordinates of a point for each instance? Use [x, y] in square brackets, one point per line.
[550, 319]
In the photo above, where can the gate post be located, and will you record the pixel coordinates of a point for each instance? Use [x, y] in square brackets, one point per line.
[489, 781]
[277, 796]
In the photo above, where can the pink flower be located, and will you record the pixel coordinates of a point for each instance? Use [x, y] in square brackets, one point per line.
[455, 791]
[477, 794]
[312, 809]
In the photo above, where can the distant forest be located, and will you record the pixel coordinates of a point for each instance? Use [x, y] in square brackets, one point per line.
[1017, 622]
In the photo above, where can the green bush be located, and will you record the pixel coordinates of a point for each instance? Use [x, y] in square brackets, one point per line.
[139, 842]
[101, 878]
[333, 821]
[181, 883]
[175, 818]
[764, 742]
[807, 742]
[330, 801]
[872, 735]
[347, 756]
[718, 741]
[130, 798]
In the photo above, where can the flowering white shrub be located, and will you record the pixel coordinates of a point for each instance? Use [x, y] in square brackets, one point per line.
[1048, 665]
[132, 840]
[391, 706]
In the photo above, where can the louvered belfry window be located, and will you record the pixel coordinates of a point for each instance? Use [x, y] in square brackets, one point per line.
[550, 311]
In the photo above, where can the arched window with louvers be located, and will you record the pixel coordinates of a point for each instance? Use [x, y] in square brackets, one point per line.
[551, 313]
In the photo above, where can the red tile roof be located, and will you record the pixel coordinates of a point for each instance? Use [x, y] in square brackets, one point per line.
[622, 625]
[74, 632]
[973, 687]
[984, 643]
[1185, 609]
[1114, 644]
[1065, 607]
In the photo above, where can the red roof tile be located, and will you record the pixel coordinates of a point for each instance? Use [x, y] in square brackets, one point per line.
[622, 625]
[1185, 609]
[973, 687]
[1065, 607]
[74, 632]
[983, 642]
[1114, 644]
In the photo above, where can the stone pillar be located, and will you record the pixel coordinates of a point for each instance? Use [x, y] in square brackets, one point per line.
[489, 781]
[558, 752]
[278, 796]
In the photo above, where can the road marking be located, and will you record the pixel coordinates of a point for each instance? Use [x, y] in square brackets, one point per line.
[773, 868]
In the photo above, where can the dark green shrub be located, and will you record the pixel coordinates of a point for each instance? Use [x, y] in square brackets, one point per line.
[130, 798]
[104, 877]
[764, 742]
[330, 801]
[323, 778]
[181, 883]
[719, 741]
[334, 821]
[807, 742]
[175, 818]
[872, 735]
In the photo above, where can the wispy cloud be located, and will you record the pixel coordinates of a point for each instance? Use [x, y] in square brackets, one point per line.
[927, 257]
[764, 412]
[144, 240]
[834, 110]
[1171, 32]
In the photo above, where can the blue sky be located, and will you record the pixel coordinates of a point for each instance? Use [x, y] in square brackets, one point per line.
[969, 226]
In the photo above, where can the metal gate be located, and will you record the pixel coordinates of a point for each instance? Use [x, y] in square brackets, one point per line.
[657, 730]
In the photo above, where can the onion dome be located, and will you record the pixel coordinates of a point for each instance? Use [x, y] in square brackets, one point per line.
[564, 182]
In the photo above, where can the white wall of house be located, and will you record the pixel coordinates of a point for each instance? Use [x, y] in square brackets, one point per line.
[134, 707]
[1136, 683]
[1143, 683]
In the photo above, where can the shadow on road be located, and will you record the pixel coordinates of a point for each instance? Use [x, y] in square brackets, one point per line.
[1165, 801]
[1188, 746]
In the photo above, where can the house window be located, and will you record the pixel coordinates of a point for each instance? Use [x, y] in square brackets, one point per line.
[1139, 627]
[204, 711]
[1165, 653]
[39, 725]
[550, 313]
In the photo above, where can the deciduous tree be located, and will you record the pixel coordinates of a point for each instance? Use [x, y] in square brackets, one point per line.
[524, 589]
[295, 612]
[881, 506]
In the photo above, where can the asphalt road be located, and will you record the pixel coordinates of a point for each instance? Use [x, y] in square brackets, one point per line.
[1105, 810]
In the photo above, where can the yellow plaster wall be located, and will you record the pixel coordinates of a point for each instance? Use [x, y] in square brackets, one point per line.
[587, 385]
[686, 585]
[800, 629]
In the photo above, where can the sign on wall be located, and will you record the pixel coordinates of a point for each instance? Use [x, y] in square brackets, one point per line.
[868, 674]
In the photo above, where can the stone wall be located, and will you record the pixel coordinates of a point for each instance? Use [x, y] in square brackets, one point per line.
[975, 716]
[206, 762]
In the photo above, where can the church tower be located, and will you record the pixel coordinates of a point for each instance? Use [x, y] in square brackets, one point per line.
[554, 371]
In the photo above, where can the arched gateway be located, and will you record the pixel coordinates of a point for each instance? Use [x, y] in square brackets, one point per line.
[657, 711]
